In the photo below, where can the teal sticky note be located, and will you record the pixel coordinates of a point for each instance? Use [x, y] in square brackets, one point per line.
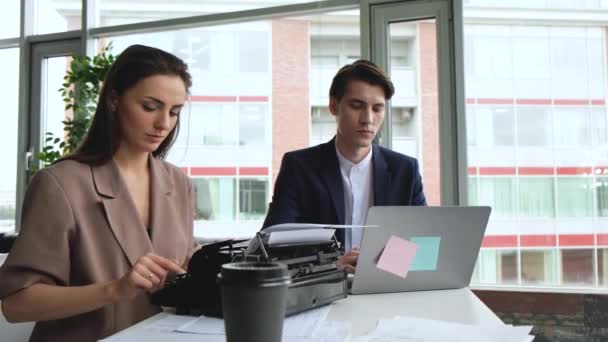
[427, 253]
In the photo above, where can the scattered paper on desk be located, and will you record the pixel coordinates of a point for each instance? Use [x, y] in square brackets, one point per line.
[397, 256]
[306, 323]
[203, 325]
[300, 236]
[328, 331]
[427, 253]
[300, 325]
[168, 323]
[164, 326]
[424, 330]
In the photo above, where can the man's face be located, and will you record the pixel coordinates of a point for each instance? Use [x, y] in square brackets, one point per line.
[359, 114]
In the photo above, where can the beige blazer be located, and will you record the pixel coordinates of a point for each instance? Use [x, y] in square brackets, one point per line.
[80, 226]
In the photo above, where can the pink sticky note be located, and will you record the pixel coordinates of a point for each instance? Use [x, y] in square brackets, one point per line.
[397, 256]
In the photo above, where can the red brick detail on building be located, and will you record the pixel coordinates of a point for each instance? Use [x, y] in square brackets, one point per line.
[538, 240]
[600, 170]
[493, 241]
[539, 171]
[496, 171]
[253, 98]
[571, 102]
[602, 239]
[204, 98]
[571, 171]
[533, 101]
[429, 110]
[495, 101]
[576, 240]
[536, 171]
[213, 171]
[253, 171]
[290, 89]
[557, 102]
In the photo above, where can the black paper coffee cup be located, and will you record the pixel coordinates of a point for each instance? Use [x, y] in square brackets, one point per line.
[254, 297]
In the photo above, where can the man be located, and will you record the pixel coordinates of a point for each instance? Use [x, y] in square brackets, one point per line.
[338, 181]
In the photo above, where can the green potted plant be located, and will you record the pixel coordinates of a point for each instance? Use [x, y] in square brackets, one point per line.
[80, 92]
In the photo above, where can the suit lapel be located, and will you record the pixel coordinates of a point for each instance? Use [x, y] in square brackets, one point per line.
[330, 171]
[161, 220]
[120, 211]
[382, 177]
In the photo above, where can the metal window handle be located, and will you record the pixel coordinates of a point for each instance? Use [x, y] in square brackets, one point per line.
[28, 158]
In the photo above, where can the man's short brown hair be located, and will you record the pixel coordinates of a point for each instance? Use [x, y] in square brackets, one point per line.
[361, 70]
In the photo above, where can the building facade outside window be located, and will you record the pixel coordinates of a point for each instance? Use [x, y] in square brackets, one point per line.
[537, 117]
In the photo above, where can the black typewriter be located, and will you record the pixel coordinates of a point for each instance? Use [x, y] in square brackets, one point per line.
[315, 279]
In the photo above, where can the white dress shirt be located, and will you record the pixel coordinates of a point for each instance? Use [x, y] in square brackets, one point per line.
[358, 195]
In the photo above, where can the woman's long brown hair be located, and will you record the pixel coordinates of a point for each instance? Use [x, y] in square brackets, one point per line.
[132, 65]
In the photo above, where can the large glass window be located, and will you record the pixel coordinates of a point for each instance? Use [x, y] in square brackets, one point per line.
[253, 198]
[539, 267]
[322, 126]
[498, 266]
[537, 114]
[599, 126]
[572, 126]
[9, 60]
[602, 266]
[534, 126]
[215, 198]
[601, 186]
[53, 16]
[213, 124]
[498, 193]
[574, 197]
[252, 124]
[473, 193]
[9, 19]
[577, 266]
[537, 126]
[254, 88]
[118, 12]
[536, 197]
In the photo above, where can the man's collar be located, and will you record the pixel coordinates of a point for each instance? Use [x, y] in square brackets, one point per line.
[345, 163]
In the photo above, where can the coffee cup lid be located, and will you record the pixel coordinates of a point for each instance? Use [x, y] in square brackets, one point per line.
[250, 273]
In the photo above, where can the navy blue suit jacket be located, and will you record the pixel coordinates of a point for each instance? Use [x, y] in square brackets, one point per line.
[309, 186]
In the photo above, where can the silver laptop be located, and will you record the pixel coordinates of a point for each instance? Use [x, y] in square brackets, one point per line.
[447, 238]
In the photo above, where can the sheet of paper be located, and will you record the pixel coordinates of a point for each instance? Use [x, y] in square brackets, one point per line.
[304, 227]
[300, 325]
[397, 256]
[203, 325]
[300, 236]
[427, 253]
[422, 330]
[169, 323]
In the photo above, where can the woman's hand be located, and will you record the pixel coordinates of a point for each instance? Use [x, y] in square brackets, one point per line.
[148, 274]
[348, 261]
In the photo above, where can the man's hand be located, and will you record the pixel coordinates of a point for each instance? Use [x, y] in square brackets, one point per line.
[348, 261]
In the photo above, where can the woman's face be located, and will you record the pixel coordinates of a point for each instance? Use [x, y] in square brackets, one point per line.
[148, 111]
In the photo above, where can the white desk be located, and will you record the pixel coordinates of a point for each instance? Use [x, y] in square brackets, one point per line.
[363, 312]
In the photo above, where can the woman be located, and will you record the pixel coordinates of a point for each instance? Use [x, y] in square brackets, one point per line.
[104, 226]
